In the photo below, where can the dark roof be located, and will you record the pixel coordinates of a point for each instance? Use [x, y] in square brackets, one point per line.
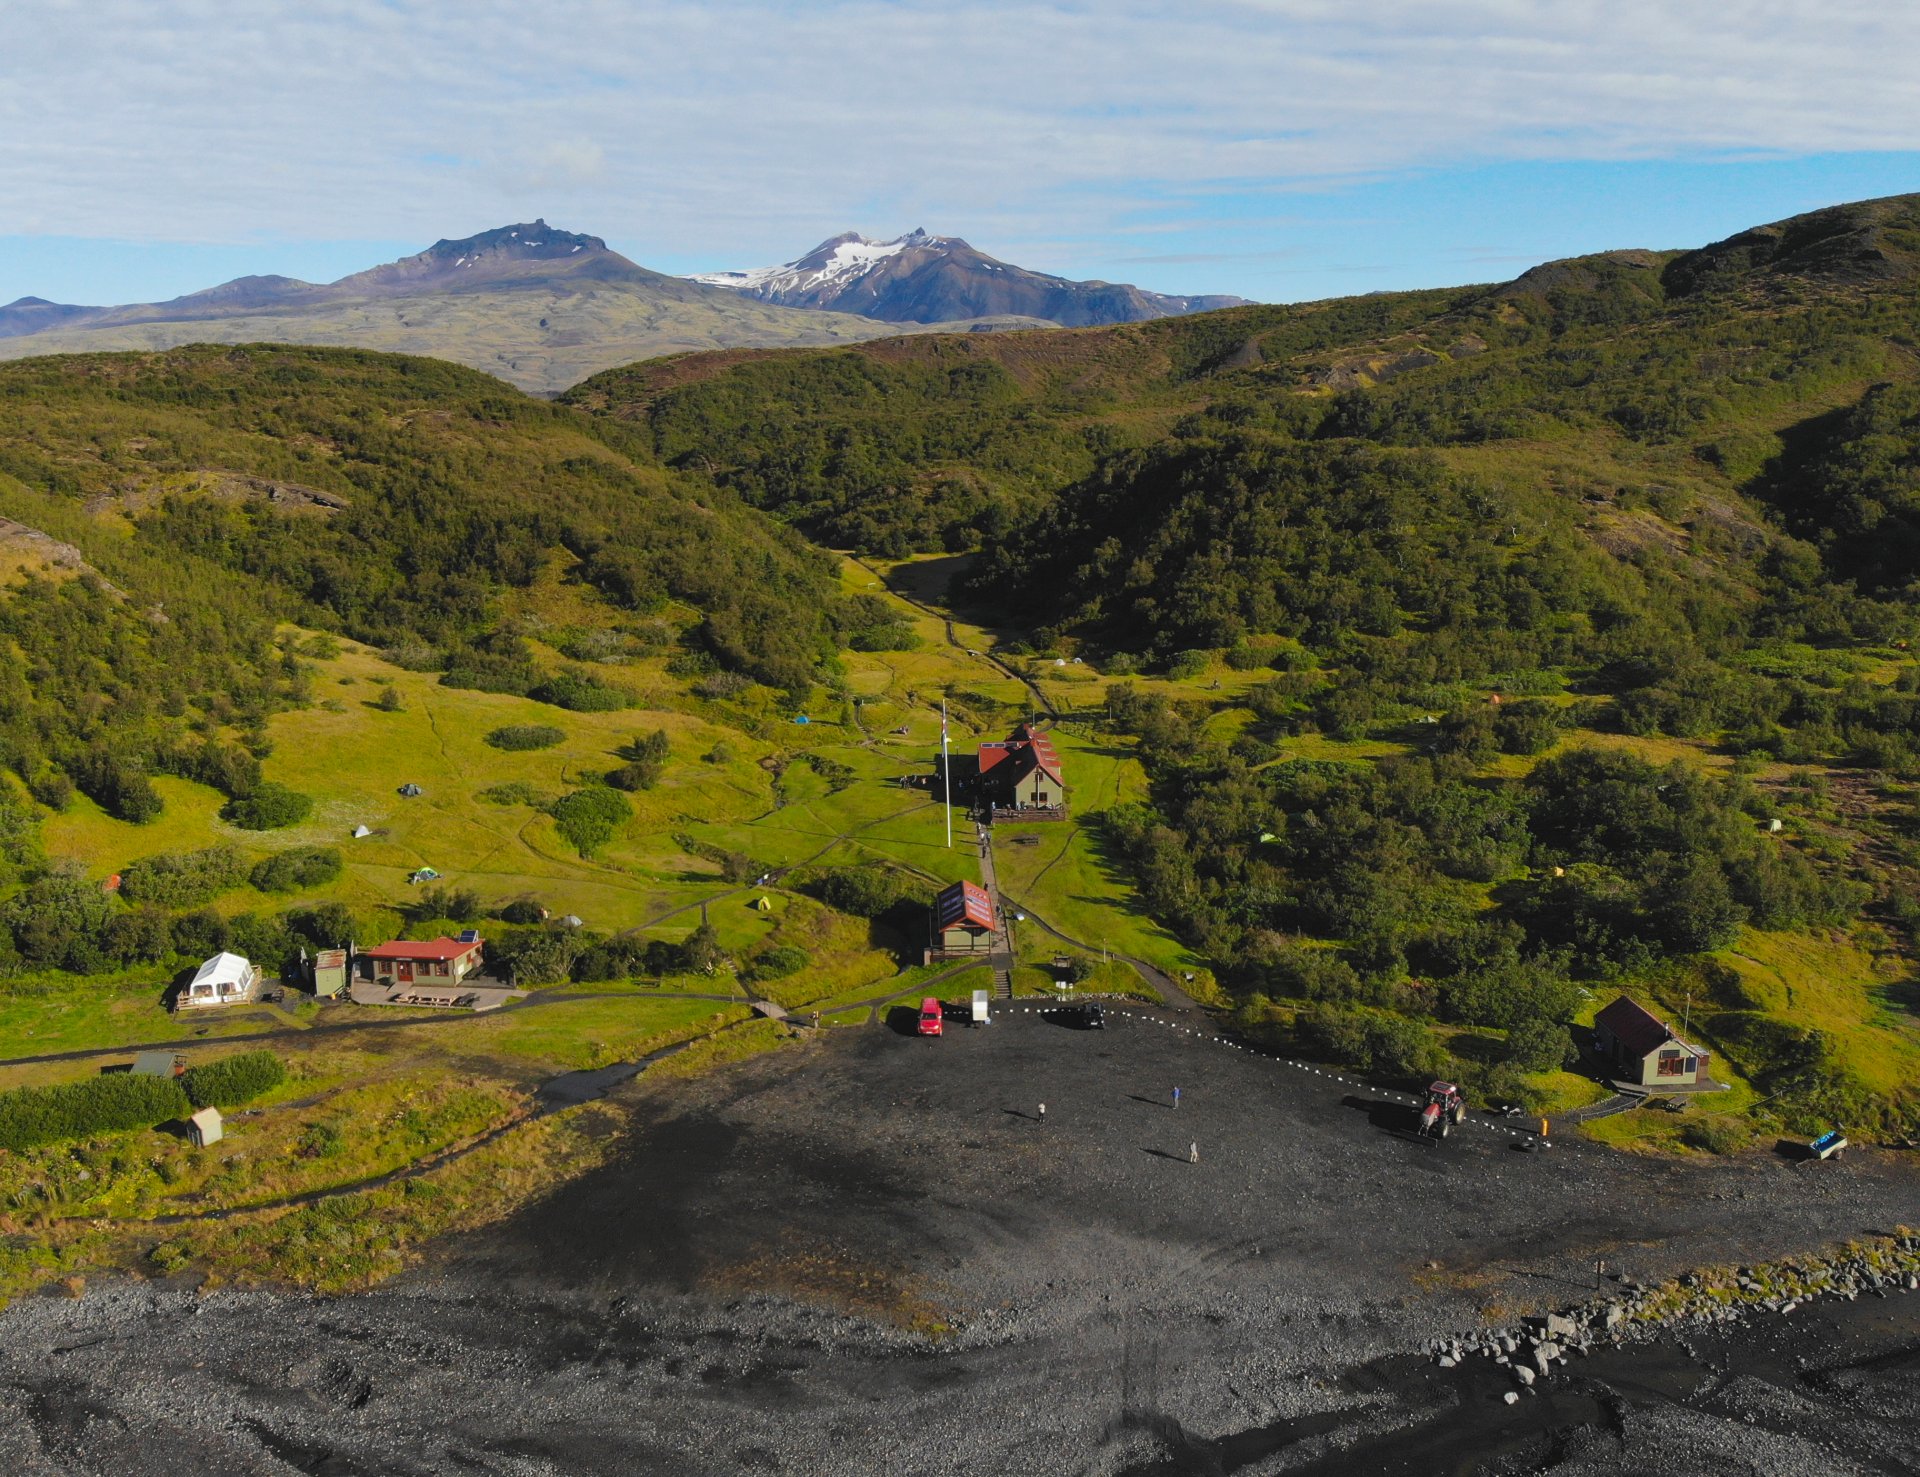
[1636, 1028]
[963, 903]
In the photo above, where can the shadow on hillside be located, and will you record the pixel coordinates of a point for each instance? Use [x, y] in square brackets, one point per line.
[1905, 994]
[928, 580]
[895, 930]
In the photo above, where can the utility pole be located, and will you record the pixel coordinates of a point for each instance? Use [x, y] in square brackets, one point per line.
[946, 774]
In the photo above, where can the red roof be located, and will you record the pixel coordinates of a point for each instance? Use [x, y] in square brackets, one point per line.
[963, 903]
[441, 948]
[1636, 1028]
[1031, 750]
[992, 754]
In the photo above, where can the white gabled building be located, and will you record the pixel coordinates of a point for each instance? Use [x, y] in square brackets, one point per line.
[225, 979]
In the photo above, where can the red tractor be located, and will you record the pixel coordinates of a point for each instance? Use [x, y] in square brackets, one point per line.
[1444, 1108]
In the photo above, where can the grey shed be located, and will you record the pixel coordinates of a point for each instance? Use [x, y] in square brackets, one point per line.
[159, 1064]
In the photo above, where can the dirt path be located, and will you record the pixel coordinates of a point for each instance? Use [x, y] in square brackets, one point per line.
[547, 1101]
[1155, 976]
[946, 620]
[538, 999]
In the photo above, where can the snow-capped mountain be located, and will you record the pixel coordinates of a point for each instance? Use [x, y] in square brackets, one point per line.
[540, 307]
[917, 278]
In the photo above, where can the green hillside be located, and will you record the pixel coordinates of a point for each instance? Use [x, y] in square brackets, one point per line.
[1632, 532]
[1428, 669]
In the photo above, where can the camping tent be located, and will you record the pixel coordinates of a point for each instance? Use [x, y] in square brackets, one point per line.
[359, 831]
[763, 904]
[221, 979]
[409, 789]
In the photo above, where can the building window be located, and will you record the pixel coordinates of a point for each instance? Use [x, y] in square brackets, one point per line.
[1672, 1064]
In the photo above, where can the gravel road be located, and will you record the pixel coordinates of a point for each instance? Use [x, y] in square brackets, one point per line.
[875, 1256]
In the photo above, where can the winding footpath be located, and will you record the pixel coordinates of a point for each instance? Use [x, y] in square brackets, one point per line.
[946, 621]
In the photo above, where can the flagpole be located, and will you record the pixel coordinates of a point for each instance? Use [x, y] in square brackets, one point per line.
[946, 773]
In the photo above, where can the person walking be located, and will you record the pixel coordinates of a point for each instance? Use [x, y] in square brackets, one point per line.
[1043, 1112]
[1176, 1098]
[1193, 1153]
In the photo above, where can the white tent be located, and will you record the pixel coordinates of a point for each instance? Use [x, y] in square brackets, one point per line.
[223, 978]
[359, 831]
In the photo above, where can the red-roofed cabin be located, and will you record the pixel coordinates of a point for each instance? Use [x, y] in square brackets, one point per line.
[963, 920]
[442, 960]
[1642, 1048]
[1022, 772]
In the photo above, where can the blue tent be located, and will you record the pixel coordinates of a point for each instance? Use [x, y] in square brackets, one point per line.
[801, 719]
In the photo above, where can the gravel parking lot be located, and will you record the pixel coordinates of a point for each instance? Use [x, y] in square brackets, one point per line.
[876, 1255]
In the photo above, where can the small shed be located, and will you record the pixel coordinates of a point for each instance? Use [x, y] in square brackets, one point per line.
[205, 1128]
[962, 920]
[331, 973]
[159, 1064]
[1641, 1048]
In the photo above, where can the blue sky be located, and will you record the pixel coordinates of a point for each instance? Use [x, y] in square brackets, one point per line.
[1280, 149]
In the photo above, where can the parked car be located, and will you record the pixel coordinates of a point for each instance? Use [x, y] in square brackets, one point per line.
[1088, 1016]
[932, 1017]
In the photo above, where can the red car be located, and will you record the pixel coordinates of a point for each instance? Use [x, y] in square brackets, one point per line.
[931, 1017]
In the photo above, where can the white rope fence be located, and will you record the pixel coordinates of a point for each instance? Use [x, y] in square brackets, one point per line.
[1278, 1061]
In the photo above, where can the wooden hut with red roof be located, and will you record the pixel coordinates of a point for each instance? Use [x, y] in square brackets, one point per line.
[963, 922]
[1641, 1048]
[439, 961]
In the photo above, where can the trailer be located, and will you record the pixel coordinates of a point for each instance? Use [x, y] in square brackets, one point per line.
[1830, 1145]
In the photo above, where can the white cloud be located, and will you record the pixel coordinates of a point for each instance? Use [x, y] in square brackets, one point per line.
[563, 164]
[748, 128]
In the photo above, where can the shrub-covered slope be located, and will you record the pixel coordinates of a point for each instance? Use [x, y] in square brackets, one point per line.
[401, 502]
[1537, 605]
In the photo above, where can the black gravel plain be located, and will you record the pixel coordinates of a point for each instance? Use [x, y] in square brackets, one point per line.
[876, 1255]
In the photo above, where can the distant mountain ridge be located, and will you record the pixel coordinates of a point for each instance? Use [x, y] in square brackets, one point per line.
[528, 254]
[918, 278]
[539, 307]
